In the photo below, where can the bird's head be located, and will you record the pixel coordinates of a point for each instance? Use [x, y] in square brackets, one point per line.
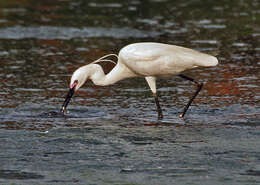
[78, 78]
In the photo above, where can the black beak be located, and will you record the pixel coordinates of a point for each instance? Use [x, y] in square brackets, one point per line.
[67, 99]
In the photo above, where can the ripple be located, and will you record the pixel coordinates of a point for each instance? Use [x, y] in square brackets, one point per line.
[256, 34]
[66, 33]
[3, 21]
[205, 41]
[214, 26]
[160, 170]
[3, 53]
[107, 5]
[252, 172]
[15, 174]
[239, 44]
[14, 10]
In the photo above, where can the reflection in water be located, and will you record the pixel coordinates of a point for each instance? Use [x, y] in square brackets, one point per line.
[110, 134]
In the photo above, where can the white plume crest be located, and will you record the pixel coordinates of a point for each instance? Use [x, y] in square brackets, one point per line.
[103, 59]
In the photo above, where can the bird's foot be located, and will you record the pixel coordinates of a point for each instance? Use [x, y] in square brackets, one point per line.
[181, 115]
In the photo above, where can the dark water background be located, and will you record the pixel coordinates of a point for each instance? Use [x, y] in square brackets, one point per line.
[111, 134]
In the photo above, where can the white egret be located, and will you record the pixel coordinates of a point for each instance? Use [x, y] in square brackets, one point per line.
[148, 60]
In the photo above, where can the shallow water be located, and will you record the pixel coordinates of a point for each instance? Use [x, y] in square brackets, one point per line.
[110, 135]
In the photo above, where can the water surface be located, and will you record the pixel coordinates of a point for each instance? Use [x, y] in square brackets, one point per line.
[111, 135]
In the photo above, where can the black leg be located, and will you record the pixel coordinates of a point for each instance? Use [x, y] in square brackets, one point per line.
[159, 110]
[199, 86]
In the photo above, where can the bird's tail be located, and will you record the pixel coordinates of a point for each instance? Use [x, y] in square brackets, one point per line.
[208, 61]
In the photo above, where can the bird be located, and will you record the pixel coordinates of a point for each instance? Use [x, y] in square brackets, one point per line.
[149, 60]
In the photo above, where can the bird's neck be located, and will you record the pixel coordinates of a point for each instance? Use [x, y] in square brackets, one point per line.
[119, 72]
